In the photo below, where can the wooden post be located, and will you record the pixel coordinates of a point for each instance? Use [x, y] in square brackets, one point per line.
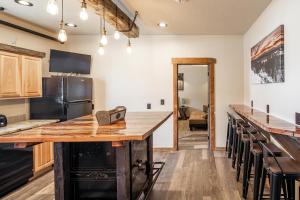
[123, 172]
[61, 171]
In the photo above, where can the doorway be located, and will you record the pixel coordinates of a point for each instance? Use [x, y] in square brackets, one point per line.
[177, 102]
[192, 107]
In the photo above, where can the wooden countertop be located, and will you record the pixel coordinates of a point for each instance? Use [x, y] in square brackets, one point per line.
[137, 126]
[266, 122]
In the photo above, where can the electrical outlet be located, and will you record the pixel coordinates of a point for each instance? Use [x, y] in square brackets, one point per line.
[149, 106]
[162, 102]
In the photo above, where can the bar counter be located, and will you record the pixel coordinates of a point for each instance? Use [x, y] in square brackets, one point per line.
[267, 122]
[284, 134]
[93, 162]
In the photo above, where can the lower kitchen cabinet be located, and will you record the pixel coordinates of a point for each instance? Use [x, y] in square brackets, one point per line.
[42, 156]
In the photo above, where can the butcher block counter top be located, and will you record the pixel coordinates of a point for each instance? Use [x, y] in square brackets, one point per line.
[266, 122]
[137, 126]
[24, 125]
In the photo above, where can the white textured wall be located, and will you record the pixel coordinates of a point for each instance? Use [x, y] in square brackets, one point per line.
[21, 39]
[146, 75]
[195, 85]
[284, 97]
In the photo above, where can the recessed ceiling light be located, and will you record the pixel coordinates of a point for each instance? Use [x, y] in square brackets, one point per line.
[71, 25]
[24, 3]
[162, 25]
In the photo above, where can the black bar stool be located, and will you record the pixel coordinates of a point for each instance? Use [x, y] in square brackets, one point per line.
[237, 134]
[256, 160]
[283, 171]
[243, 140]
[250, 153]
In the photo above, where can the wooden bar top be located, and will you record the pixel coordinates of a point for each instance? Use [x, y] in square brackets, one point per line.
[266, 122]
[137, 126]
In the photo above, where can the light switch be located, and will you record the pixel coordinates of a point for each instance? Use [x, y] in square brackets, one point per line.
[162, 102]
[149, 106]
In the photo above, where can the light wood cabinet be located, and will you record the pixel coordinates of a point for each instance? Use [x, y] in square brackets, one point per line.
[42, 156]
[20, 76]
[31, 76]
[10, 75]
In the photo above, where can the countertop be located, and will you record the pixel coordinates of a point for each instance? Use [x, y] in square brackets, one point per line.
[267, 122]
[24, 125]
[137, 126]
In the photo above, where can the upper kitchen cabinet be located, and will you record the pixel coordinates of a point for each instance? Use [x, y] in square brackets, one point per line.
[31, 76]
[10, 75]
[20, 72]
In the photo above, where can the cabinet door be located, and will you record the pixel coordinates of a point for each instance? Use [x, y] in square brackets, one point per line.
[43, 156]
[10, 75]
[32, 76]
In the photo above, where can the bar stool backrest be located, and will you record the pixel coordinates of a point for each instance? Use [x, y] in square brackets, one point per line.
[267, 152]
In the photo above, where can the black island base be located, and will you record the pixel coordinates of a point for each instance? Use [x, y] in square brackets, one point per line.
[100, 170]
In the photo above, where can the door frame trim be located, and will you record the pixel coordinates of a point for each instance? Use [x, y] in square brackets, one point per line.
[211, 67]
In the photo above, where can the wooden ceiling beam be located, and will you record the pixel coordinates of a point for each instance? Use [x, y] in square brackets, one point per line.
[124, 22]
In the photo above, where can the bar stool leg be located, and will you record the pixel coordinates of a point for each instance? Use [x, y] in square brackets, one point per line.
[234, 147]
[263, 182]
[227, 137]
[246, 164]
[284, 190]
[230, 142]
[240, 158]
[258, 162]
[248, 173]
[290, 189]
[275, 186]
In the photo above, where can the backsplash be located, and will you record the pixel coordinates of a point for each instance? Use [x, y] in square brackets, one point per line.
[15, 109]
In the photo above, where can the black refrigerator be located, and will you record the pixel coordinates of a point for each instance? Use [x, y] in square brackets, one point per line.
[63, 98]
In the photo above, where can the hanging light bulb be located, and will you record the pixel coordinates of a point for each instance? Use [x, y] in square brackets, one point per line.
[52, 7]
[62, 35]
[83, 13]
[101, 49]
[129, 48]
[117, 35]
[104, 39]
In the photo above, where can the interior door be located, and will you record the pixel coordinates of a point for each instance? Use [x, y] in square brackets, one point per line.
[10, 75]
[32, 76]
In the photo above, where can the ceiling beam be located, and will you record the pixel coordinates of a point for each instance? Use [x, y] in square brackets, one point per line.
[124, 22]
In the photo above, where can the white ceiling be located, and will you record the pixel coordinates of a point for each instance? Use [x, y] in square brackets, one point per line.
[193, 17]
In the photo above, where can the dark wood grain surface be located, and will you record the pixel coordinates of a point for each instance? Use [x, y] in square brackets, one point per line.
[266, 122]
[21, 51]
[137, 126]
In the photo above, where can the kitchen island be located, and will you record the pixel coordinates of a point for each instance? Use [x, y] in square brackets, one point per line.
[99, 162]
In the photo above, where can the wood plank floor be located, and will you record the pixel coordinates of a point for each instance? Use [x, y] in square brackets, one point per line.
[188, 175]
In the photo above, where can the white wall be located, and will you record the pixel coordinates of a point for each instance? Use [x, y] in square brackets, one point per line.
[145, 76]
[29, 41]
[283, 98]
[195, 85]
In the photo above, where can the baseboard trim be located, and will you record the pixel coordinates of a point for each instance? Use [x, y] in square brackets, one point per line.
[164, 149]
[220, 149]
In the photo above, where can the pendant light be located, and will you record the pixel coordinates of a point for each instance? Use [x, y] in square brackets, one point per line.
[62, 35]
[83, 13]
[129, 47]
[117, 33]
[101, 49]
[52, 7]
[104, 39]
